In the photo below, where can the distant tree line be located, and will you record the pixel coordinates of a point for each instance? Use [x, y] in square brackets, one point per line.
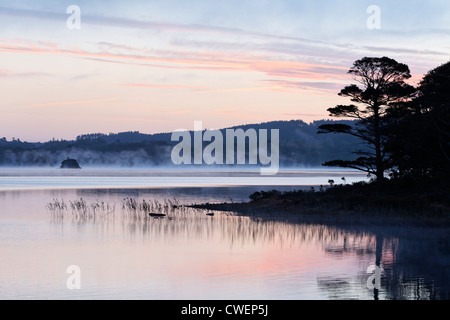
[299, 146]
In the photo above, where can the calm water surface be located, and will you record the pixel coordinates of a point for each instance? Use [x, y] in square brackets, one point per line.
[123, 253]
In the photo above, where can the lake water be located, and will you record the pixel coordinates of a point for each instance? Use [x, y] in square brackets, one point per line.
[51, 220]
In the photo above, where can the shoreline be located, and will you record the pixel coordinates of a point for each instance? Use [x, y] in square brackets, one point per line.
[360, 203]
[316, 215]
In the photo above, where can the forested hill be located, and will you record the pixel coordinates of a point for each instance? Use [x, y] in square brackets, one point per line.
[300, 145]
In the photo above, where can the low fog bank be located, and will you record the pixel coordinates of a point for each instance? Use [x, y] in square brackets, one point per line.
[86, 158]
[139, 159]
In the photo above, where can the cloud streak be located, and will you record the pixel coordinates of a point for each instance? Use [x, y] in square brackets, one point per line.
[62, 103]
[9, 74]
[283, 43]
[121, 22]
[242, 63]
[160, 86]
[284, 56]
[307, 85]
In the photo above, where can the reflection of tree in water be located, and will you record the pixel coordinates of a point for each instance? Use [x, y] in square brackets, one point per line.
[421, 267]
[414, 262]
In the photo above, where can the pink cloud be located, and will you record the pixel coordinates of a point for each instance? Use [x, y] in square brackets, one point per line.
[322, 86]
[61, 103]
[161, 86]
[188, 60]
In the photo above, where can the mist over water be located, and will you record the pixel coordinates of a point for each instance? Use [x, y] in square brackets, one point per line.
[50, 178]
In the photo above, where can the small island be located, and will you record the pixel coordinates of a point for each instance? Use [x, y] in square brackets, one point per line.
[70, 164]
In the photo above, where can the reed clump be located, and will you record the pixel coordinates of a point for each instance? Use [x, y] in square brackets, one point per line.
[130, 207]
[79, 208]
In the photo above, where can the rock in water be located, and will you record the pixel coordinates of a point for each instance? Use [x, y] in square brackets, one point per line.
[70, 164]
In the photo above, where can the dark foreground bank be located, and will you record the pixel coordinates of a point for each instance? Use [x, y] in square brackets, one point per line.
[424, 202]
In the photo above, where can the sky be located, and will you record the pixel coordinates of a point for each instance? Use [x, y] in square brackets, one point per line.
[158, 66]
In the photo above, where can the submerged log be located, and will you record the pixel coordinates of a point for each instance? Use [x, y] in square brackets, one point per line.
[157, 215]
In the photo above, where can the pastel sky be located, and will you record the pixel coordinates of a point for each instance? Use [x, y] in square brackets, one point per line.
[159, 65]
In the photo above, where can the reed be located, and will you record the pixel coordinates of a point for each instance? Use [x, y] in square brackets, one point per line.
[57, 207]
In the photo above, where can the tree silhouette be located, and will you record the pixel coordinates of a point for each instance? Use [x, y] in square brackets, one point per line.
[382, 87]
[419, 144]
[434, 95]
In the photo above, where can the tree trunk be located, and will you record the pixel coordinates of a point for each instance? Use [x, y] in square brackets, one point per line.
[378, 152]
[379, 164]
